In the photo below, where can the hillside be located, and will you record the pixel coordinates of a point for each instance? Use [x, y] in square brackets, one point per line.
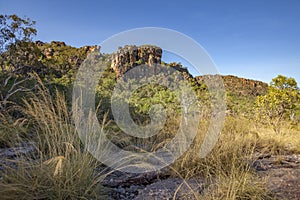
[240, 86]
[57, 64]
[63, 57]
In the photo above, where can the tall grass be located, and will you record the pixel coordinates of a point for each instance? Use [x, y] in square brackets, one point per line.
[285, 142]
[61, 168]
[228, 168]
[11, 132]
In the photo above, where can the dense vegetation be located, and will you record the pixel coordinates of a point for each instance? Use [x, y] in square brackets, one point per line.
[35, 107]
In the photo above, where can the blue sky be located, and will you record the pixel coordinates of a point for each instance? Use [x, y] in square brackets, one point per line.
[256, 39]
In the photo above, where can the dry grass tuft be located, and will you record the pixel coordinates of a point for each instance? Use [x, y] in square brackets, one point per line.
[62, 169]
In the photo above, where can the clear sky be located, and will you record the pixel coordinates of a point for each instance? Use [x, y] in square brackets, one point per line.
[256, 39]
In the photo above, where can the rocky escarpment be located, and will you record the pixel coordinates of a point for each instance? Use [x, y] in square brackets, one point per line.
[54, 48]
[55, 59]
[131, 56]
[64, 58]
[239, 86]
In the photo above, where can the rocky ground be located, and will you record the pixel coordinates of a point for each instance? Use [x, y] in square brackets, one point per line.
[282, 173]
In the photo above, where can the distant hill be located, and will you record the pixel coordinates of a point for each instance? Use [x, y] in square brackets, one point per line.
[240, 86]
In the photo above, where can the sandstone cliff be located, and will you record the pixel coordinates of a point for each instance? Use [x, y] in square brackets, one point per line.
[131, 56]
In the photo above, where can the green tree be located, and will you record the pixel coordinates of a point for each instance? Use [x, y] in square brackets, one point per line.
[279, 103]
[14, 29]
[16, 48]
[17, 51]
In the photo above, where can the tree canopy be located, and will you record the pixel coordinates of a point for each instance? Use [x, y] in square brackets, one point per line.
[279, 103]
[14, 29]
[16, 47]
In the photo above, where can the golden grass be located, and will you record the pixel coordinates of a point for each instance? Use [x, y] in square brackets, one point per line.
[63, 169]
[228, 168]
[11, 131]
[287, 142]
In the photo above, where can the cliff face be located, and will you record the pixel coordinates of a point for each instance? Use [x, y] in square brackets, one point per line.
[131, 56]
[239, 86]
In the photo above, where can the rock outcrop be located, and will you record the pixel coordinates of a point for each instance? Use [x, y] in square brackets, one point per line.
[55, 48]
[58, 43]
[48, 52]
[39, 43]
[91, 48]
[131, 56]
[183, 70]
